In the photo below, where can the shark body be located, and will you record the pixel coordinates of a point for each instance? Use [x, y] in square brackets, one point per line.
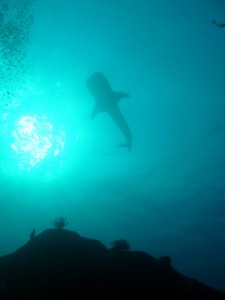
[106, 100]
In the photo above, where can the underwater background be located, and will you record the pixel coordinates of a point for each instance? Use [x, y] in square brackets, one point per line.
[166, 197]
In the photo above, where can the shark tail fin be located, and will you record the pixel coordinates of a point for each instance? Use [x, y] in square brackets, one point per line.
[120, 95]
[125, 144]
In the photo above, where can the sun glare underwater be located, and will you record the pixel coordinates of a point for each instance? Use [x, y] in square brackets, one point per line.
[34, 144]
[35, 140]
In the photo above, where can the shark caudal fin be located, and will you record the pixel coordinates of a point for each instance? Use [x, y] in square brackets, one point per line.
[125, 145]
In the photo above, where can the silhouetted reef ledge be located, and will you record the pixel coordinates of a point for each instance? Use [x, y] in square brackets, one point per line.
[61, 264]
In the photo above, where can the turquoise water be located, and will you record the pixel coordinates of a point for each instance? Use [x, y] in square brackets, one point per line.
[167, 196]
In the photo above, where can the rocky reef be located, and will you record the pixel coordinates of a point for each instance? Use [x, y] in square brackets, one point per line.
[61, 264]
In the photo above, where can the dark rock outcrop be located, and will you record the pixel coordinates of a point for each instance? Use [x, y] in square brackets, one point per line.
[60, 264]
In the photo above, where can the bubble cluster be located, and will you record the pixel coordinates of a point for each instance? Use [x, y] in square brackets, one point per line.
[16, 20]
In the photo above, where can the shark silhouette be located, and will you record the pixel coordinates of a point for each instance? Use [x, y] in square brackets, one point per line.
[106, 100]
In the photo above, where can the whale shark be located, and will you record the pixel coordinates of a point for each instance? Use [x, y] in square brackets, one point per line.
[106, 100]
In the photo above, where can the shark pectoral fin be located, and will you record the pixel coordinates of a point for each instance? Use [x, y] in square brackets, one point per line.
[94, 112]
[125, 144]
[120, 95]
